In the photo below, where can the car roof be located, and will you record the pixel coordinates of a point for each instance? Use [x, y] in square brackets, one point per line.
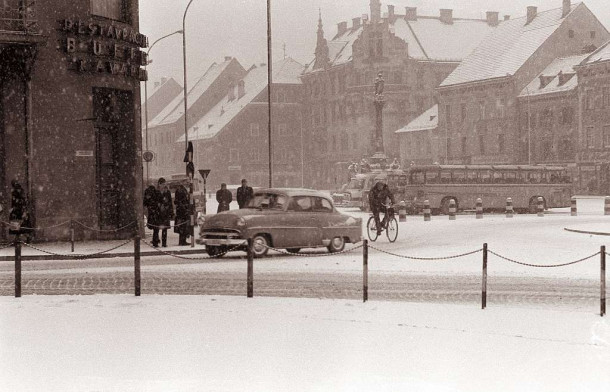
[294, 192]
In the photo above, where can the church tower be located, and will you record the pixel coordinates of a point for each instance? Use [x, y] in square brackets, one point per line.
[375, 11]
[322, 59]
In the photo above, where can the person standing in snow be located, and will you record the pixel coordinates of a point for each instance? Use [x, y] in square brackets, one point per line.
[19, 216]
[224, 198]
[244, 194]
[160, 212]
[182, 222]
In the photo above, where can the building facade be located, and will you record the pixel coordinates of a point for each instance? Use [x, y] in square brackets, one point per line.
[70, 114]
[484, 101]
[414, 52]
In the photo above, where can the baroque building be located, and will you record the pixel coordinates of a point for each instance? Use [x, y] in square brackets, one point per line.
[414, 52]
[70, 75]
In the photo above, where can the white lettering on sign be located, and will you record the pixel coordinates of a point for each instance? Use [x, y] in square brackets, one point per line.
[84, 153]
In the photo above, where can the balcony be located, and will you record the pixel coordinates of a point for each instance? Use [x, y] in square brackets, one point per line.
[18, 22]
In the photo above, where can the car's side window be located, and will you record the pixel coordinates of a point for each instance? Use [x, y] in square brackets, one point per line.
[322, 205]
[300, 204]
[277, 202]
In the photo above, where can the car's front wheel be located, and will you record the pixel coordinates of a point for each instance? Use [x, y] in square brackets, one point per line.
[260, 245]
[336, 244]
[215, 251]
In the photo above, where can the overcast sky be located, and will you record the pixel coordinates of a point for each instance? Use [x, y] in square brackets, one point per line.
[218, 28]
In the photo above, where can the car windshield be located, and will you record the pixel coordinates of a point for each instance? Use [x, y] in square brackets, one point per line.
[267, 201]
[355, 184]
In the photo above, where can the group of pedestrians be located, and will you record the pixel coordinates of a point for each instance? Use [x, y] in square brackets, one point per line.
[224, 197]
[160, 208]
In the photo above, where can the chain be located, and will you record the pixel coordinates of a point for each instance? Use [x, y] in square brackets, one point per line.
[168, 227]
[195, 258]
[77, 256]
[543, 266]
[8, 246]
[427, 258]
[312, 254]
[37, 228]
[102, 230]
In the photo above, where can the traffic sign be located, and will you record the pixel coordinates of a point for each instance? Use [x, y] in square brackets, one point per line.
[204, 173]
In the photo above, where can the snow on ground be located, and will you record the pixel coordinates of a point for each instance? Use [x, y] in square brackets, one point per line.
[194, 343]
[211, 343]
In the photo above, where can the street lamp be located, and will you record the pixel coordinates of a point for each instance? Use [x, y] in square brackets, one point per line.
[269, 82]
[146, 95]
[186, 135]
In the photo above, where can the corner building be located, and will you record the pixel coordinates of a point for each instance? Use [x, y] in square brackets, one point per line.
[70, 114]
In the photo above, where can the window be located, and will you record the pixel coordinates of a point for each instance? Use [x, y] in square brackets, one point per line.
[254, 129]
[571, 33]
[501, 143]
[282, 129]
[300, 204]
[233, 155]
[448, 114]
[482, 110]
[448, 146]
[567, 115]
[606, 96]
[322, 205]
[464, 146]
[606, 135]
[590, 137]
[111, 9]
[255, 155]
[592, 34]
[481, 144]
[590, 99]
[463, 111]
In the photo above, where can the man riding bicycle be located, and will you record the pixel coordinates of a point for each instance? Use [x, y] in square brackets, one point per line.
[378, 197]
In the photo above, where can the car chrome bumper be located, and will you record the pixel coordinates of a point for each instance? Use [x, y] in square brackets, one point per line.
[220, 241]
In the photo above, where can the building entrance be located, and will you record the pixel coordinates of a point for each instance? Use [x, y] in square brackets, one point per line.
[115, 152]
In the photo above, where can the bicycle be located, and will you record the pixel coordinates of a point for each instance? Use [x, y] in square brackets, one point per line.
[390, 226]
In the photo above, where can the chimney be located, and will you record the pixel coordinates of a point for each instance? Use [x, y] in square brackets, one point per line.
[545, 80]
[365, 18]
[567, 7]
[341, 28]
[391, 15]
[375, 6]
[356, 23]
[492, 18]
[411, 13]
[447, 16]
[241, 89]
[506, 17]
[228, 58]
[531, 13]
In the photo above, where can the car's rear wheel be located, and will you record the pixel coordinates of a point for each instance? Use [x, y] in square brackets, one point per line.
[336, 244]
[293, 250]
[260, 245]
[215, 251]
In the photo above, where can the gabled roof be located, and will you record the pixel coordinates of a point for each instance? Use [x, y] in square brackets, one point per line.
[426, 121]
[506, 49]
[427, 38]
[559, 76]
[175, 110]
[286, 71]
[601, 54]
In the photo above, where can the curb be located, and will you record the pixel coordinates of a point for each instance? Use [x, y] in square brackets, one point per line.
[586, 232]
[106, 255]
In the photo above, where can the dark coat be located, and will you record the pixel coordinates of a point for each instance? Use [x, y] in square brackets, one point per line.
[244, 194]
[224, 198]
[378, 197]
[183, 217]
[19, 210]
[160, 209]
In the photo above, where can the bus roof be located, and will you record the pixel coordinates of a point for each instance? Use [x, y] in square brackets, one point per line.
[486, 167]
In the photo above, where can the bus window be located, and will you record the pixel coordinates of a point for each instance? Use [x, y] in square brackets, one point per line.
[432, 177]
[459, 177]
[485, 176]
[417, 177]
[355, 184]
[510, 177]
[445, 177]
[497, 177]
[471, 177]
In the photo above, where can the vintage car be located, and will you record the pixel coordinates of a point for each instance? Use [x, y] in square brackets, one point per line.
[285, 218]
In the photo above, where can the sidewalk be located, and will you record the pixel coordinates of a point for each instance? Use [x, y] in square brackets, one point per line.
[112, 248]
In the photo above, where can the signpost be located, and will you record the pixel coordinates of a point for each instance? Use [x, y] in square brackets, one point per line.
[204, 173]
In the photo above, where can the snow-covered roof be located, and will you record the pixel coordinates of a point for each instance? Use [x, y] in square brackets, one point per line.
[507, 48]
[559, 76]
[426, 121]
[427, 38]
[601, 54]
[286, 71]
[175, 110]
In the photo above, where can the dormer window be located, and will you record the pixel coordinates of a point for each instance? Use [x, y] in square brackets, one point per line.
[592, 34]
[111, 9]
[571, 33]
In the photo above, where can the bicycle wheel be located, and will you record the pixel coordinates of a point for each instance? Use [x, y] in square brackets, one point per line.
[371, 229]
[392, 230]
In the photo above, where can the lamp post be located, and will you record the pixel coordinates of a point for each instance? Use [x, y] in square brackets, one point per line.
[269, 82]
[146, 96]
[189, 152]
[529, 128]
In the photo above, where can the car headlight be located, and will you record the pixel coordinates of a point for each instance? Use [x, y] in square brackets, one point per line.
[241, 222]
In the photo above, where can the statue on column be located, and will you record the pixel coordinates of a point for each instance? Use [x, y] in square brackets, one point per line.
[379, 84]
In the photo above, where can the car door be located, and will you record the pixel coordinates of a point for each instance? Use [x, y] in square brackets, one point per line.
[301, 227]
[329, 223]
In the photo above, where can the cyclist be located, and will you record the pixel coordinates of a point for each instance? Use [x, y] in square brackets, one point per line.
[378, 202]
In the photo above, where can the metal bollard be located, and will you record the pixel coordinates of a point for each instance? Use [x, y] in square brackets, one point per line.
[402, 212]
[250, 272]
[452, 209]
[540, 206]
[72, 236]
[573, 209]
[426, 210]
[365, 271]
[17, 267]
[607, 205]
[137, 275]
[509, 207]
[479, 208]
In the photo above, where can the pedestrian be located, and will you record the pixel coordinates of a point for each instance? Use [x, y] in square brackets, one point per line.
[182, 222]
[18, 216]
[160, 212]
[244, 194]
[149, 195]
[224, 198]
